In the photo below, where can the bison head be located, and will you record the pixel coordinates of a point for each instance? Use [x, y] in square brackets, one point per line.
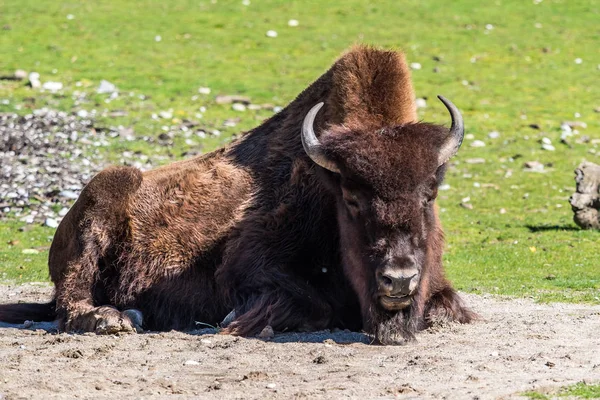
[385, 180]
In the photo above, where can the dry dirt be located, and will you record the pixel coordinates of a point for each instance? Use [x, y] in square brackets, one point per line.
[518, 346]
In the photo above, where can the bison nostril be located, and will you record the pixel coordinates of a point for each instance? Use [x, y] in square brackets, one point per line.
[386, 281]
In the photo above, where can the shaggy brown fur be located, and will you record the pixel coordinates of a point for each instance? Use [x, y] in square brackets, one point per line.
[259, 228]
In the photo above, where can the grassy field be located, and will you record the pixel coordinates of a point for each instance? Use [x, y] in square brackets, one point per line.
[506, 64]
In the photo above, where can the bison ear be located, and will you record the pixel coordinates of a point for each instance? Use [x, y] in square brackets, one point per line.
[457, 132]
[311, 144]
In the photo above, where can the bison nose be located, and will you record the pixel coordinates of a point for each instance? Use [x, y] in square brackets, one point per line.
[398, 283]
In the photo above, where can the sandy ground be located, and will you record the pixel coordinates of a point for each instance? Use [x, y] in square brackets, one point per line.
[518, 346]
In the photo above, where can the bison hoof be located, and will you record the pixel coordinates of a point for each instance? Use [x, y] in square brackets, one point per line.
[110, 321]
[107, 320]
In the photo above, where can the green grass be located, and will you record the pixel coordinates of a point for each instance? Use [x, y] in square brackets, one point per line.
[505, 78]
[579, 390]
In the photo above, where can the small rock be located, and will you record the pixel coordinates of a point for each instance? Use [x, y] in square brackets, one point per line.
[30, 251]
[415, 66]
[157, 38]
[68, 194]
[293, 22]
[503, 211]
[204, 90]
[228, 99]
[267, 333]
[63, 211]
[271, 33]
[578, 60]
[494, 354]
[534, 166]
[548, 147]
[444, 186]
[545, 140]
[238, 107]
[421, 103]
[34, 80]
[469, 136]
[477, 143]
[320, 360]
[165, 114]
[50, 222]
[534, 126]
[468, 206]
[20, 74]
[271, 386]
[82, 113]
[191, 362]
[475, 160]
[550, 277]
[574, 124]
[106, 87]
[494, 135]
[52, 86]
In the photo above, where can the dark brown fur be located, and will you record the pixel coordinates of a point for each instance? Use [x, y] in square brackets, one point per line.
[253, 227]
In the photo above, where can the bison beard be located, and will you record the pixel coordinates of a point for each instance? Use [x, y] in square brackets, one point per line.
[321, 217]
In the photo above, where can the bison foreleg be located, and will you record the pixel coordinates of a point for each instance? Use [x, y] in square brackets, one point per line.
[106, 320]
[282, 311]
[447, 306]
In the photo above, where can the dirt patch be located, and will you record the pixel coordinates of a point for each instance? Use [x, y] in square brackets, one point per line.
[518, 346]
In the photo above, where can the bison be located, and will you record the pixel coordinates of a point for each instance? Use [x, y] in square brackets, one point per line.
[321, 217]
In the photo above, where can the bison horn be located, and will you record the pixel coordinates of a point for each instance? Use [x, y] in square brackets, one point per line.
[457, 132]
[311, 144]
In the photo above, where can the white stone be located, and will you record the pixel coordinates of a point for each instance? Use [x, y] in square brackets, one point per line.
[157, 38]
[204, 90]
[52, 86]
[50, 222]
[578, 60]
[271, 33]
[421, 103]
[191, 362]
[106, 87]
[477, 143]
[548, 147]
[293, 22]
[415, 65]
[238, 107]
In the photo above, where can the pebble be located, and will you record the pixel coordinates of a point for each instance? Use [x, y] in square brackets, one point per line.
[421, 103]
[50, 222]
[548, 147]
[444, 186]
[106, 87]
[271, 34]
[469, 136]
[545, 140]
[204, 90]
[415, 66]
[534, 166]
[475, 160]
[271, 386]
[20, 74]
[494, 135]
[34, 80]
[30, 251]
[191, 362]
[232, 98]
[293, 22]
[477, 143]
[267, 332]
[238, 107]
[165, 114]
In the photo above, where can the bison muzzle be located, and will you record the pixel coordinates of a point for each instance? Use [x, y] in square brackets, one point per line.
[321, 217]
